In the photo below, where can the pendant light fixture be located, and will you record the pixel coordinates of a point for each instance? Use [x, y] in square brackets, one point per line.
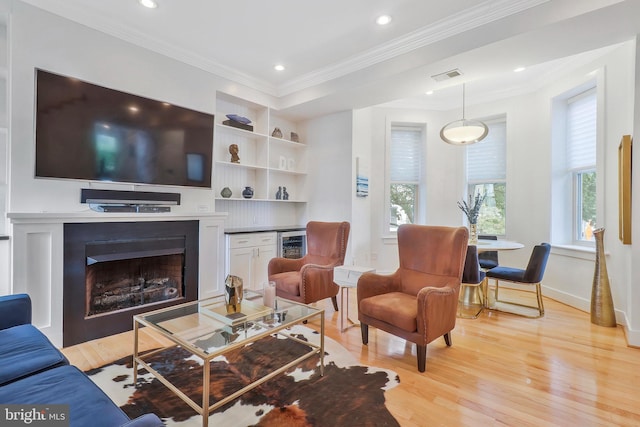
[463, 131]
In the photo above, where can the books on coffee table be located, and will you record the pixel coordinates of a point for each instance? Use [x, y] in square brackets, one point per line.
[246, 310]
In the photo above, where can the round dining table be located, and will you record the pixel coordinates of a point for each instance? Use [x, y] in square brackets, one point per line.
[497, 245]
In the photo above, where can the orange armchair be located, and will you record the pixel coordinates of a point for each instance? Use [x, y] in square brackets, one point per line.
[310, 278]
[419, 301]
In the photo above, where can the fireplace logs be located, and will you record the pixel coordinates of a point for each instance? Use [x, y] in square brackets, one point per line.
[122, 284]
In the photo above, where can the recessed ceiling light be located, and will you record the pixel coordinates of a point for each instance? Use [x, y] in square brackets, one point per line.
[278, 67]
[429, 92]
[383, 19]
[517, 70]
[151, 4]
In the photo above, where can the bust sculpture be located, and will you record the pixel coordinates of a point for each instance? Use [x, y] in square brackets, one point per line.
[233, 150]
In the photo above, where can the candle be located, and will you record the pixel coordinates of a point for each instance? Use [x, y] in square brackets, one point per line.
[270, 294]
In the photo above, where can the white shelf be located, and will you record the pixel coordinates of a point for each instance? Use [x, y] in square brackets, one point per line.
[286, 171]
[287, 142]
[241, 165]
[240, 132]
[238, 199]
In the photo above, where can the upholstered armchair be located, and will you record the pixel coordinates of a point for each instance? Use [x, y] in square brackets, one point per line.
[419, 301]
[310, 278]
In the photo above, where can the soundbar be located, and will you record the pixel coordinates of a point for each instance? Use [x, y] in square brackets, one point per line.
[131, 208]
[124, 198]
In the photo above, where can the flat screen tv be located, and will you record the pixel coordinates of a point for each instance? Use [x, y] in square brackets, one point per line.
[89, 132]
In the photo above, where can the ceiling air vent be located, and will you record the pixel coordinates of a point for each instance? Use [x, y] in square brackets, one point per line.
[447, 75]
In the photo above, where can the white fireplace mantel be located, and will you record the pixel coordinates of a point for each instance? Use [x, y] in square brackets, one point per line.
[38, 248]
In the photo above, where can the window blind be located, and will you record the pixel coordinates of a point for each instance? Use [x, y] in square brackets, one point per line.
[581, 131]
[486, 160]
[405, 154]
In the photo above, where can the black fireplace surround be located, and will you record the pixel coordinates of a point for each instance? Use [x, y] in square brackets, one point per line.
[94, 249]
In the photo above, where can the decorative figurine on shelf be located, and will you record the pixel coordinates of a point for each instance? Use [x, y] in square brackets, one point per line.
[233, 150]
[279, 194]
[285, 195]
[294, 137]
[226, 192]
[277, 133]
[247, 193]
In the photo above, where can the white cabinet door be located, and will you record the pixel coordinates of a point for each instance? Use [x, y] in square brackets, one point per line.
[241, 264]
[248, 256]
[261, 264]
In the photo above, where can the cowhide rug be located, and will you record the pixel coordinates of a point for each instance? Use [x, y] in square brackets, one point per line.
[347, 395]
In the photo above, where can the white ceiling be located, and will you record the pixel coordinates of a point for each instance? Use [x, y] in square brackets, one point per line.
[337, 58]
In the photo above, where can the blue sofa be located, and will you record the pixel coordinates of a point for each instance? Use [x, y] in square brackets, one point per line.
[34, 372]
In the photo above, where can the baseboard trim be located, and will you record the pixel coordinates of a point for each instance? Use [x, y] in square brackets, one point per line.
[582, 304]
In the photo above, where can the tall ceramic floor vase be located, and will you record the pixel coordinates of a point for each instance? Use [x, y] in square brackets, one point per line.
[602, 311]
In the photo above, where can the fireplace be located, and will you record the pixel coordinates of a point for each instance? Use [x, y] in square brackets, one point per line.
[113, 271]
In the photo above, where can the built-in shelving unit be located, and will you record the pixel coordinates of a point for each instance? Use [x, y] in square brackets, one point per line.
[267, 164]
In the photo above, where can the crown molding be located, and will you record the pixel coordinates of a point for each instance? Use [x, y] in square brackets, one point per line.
[474, 17]
[138, 38]
[482, 14]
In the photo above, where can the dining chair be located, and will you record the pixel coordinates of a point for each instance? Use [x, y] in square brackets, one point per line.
[472, 286]
[532, 275]
[488, 259]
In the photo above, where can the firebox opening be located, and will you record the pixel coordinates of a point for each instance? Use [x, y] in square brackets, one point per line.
[120, 284]
[123, 274]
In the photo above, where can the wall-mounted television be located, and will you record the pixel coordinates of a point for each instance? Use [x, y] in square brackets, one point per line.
[89, 132]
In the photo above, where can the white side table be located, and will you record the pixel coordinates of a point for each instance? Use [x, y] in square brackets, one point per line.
[346, 276]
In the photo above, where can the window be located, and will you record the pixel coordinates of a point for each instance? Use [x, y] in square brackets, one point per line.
[486, 174]
[405, 172]
[581, 162]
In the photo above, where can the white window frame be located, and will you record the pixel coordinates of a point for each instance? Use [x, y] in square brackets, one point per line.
[420, 203]
[563, 183]
[575, 172]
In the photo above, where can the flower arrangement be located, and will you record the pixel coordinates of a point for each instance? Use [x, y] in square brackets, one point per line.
[472, 208]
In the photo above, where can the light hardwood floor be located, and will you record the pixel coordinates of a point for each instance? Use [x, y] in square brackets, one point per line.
[502, 370]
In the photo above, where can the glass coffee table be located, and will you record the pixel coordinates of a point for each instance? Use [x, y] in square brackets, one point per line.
[197, 327]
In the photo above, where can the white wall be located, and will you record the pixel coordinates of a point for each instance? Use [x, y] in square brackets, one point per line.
[569, 274]
[633, 267]
[361, 210]
[329, 167]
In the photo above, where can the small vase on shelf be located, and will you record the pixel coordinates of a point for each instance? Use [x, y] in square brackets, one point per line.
[247, 193]
[226, 192]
